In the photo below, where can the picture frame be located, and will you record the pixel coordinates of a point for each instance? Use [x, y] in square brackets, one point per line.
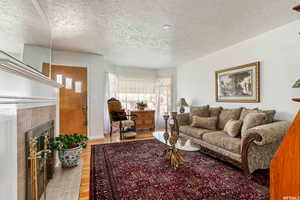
[239, 84]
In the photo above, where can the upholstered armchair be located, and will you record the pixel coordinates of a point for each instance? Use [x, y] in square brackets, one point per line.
[119, 118]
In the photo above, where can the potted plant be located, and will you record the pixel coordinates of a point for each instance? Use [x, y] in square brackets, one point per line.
[141, 105]
[69, 148]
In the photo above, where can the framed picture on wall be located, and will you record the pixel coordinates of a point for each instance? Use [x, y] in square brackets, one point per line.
[239, 84]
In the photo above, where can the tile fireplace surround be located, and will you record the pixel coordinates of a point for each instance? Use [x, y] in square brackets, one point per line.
[28, 118]
[27, 99]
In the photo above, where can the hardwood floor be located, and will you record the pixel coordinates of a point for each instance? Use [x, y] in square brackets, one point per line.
[86, 156]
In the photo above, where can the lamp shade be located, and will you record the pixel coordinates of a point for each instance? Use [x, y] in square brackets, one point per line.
[297, 84]
[182, 102]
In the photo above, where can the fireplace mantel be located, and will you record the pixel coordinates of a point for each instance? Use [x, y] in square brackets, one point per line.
[21, 84]
[23, 70]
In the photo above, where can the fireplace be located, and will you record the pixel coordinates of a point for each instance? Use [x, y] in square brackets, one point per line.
[39, 133]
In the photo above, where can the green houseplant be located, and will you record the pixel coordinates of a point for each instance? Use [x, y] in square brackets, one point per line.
[69, 148]
[141, 105]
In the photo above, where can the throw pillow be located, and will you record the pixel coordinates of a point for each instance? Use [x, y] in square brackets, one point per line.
[226, 115]
[246, 111]
[215, 111]
[200, 111]
[270, 115]
[204, 122]
[252, 120]
[233, 127]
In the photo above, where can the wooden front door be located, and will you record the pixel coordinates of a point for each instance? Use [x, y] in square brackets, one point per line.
[72, 98]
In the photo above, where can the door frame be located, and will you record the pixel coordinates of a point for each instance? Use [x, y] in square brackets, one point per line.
[88, 97]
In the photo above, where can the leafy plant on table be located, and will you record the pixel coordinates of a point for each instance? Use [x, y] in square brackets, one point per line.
[142, 104]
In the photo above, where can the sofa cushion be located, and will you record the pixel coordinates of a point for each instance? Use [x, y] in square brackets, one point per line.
[233, 127]
[226, 115]
[204, 122]
[192, 131]
[183, 119]
[201, 111]
[270, 114]
[222, 140]
[214, 111]
[252, 120]
[246, 111]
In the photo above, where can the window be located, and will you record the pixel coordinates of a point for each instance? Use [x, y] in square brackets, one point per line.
[131, 90]
[69, 83]
[59, 78]
[164, 87]
[157, 93]
[78, 86]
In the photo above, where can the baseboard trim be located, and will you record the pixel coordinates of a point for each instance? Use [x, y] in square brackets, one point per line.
[95, 137]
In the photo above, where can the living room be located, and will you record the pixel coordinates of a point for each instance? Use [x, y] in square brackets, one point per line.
[149, 100]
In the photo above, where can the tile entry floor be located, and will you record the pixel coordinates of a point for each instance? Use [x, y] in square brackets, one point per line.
[65, 184]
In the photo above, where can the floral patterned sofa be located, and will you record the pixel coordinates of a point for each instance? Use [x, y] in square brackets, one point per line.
[256, 135]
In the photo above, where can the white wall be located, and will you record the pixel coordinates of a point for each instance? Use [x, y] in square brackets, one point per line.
[96, 81]
[8, 152]
[35, 56]
[277, 50]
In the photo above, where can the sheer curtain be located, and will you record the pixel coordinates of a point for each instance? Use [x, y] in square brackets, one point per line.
[164, 99]
[132, 90]
[111, 88]
[156, 92]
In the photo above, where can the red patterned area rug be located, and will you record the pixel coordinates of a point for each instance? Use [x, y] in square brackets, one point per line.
[137, 170]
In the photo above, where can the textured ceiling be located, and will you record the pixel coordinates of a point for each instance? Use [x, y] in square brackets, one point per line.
[129, 32]
[21, 23]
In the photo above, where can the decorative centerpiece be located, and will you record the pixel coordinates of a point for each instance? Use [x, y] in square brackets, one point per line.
[172, 153]
[141, 105]
[69, 148]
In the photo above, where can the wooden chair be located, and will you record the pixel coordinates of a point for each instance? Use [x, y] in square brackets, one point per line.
[119, 118]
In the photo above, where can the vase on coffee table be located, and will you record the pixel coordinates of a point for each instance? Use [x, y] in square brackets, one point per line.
[173, 154]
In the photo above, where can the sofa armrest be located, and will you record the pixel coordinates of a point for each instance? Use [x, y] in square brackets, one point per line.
[183, 119]
[262, 136]
[269, 133]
